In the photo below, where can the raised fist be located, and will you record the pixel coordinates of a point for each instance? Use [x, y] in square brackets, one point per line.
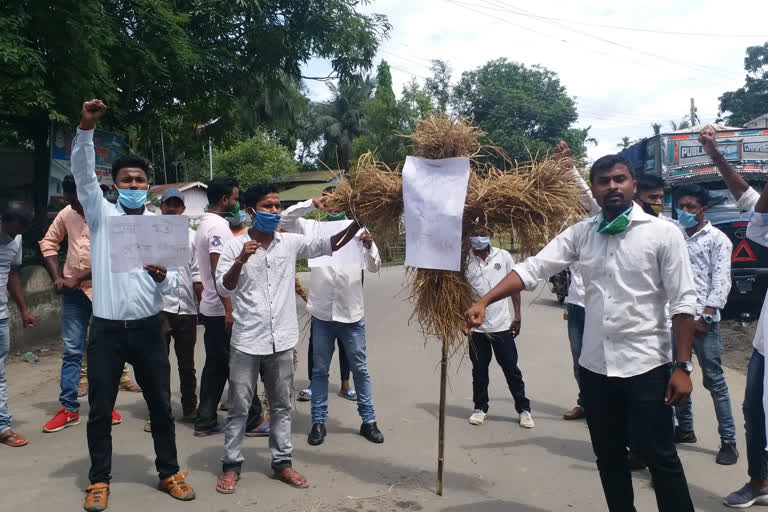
[92, 111]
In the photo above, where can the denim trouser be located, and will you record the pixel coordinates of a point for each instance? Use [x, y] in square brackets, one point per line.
[352, 336]
[708, 348]
[75, 315]
[5, 345]
[754, 419]
[277, 373]
[575, 336]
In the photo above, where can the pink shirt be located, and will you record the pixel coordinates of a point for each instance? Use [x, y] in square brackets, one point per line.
[68, 223]
[212, 233]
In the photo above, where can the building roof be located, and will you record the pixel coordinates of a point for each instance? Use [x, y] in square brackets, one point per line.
[700, 127]
[323, 176]
[185, 185]
[303, 192]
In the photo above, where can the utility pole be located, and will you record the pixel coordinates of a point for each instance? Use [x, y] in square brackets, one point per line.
[694, 118]
[162, 145]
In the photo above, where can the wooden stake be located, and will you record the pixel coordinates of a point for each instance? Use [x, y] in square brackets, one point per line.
[441, 420]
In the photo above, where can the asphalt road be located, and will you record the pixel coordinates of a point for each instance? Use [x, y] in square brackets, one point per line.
[495, 467]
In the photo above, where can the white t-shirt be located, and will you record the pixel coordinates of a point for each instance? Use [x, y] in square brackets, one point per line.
[483, 276]
[10, 256]
[212, 234]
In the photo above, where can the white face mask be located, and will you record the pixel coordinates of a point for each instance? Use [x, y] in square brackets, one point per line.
[480, 242]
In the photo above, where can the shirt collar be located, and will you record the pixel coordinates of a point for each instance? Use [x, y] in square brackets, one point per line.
[703, 231]
[121, 211]
[636, 215]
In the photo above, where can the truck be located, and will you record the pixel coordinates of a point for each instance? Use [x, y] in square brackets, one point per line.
[678, 158]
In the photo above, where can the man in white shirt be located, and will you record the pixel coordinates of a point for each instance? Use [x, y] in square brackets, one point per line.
[179, 314]
[632, 264]
[487, 266]
[212, 233]
[710, 251]
[257, 270]
[336, 305]
[16, 219]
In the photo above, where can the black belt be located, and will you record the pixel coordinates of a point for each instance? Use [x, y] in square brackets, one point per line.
[128, 324]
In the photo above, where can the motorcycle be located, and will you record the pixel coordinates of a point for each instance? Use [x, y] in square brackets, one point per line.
[559, 284]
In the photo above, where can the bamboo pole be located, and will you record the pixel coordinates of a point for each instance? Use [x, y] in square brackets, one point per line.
[441, 420]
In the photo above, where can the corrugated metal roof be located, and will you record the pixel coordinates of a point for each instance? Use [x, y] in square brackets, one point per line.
[303, 192]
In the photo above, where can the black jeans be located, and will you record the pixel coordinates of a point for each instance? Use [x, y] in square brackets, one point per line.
[142, 344]
[183, 330]
[215, 375]
[343, 361]
[502, 344]
[615, 404]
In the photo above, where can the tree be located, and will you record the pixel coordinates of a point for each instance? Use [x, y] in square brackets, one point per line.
[439, 85]
[656, 127]
[255, 160]
[751, 100]
[625, 142]
[682, 125]
[524, 110]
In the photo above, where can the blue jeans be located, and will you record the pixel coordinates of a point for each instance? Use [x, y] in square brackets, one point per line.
[352, 336]
[75, 315]
[754, 419]
[576, 336]
[5, 345]
[708, 348]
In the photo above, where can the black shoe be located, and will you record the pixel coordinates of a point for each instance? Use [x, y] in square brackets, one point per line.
[636, 462]
[371, 432]
[317, 434]
[684, 437]
[728, 454]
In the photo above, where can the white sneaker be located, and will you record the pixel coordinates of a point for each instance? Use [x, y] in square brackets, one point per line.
[526, 421]
[477, 418]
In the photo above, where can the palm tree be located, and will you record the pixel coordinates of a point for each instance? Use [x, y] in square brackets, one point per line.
[682, 125]
[625, 142]
[656, 127]
[341, 120]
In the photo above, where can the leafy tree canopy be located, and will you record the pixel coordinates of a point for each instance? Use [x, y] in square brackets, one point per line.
[748, 102]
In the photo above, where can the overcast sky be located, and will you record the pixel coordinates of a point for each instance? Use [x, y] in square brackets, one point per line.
[623, 80]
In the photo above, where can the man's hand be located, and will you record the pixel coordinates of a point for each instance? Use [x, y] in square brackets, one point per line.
[249, 249]
[475, 315]
[319, 202]
[59, 284]
[515, 328]
[157, 272]
[367, 239]
[92, 111]
[709, 143]
[28, 318]
[70, 284]
[562, 150]
[701, 326]
[679, 388]
[229, 321]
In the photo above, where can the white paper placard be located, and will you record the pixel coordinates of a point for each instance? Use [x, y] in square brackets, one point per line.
[434, 192]
[350, 254]
[136, 240]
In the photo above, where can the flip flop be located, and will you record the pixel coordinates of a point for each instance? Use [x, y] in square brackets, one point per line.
[262, 431]
[218, 429]
[129, 386]
[229, 481]
[351, 395]
[292, 478]
[12, 439]
[305, 395]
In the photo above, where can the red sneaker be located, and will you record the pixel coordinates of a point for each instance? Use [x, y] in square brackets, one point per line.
[62, 420]
[116, 419]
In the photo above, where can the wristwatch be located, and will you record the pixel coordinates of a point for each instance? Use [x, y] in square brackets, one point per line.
[686, 366]
[709, 319]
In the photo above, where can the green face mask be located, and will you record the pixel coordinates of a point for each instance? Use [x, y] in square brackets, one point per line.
[341, 216]
[617, 225]
[235, 211]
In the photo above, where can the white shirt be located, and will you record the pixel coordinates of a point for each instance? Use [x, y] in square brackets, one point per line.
[576, 288]
[335, 291]
[709, 250]
[628, 279]
[10, 256]
[757, 231]
[116, 295]
[212, 233]
[264, 300]
[483, 276]
[182, 300]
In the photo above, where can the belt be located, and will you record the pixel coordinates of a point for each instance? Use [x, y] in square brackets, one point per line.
[127, 324]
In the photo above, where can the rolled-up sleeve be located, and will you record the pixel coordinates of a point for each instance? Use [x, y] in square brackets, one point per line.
[675, 268]
[748, 199]
[194, 265]
[558, 255]
[757, 230]
[226, 260]
[51, 242]
[721, 272]
[168, 285]
[371, 258]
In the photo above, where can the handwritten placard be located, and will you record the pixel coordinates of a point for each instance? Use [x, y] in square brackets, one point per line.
[136, 240]
[350, 254]
[434, 192]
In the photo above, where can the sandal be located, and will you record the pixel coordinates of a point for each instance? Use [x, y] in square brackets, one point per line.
[177, 487]
[82, 389]
[351, 394]
[224, 479]
[129, 386]
[292, 478]
[98, 497]
[218, 429]
[262, 431]
[12, 439]
[305, 395]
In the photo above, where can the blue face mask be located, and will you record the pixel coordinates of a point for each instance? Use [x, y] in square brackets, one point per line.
[266, 222]
[239, 219]
[480, 242]
[132, 199]
[686, 219]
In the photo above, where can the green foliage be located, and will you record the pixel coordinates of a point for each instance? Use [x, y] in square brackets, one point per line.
[524, 110]
[438, 86]
[255, 160]
[383, 121]
[656, 127]
[751, 100]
